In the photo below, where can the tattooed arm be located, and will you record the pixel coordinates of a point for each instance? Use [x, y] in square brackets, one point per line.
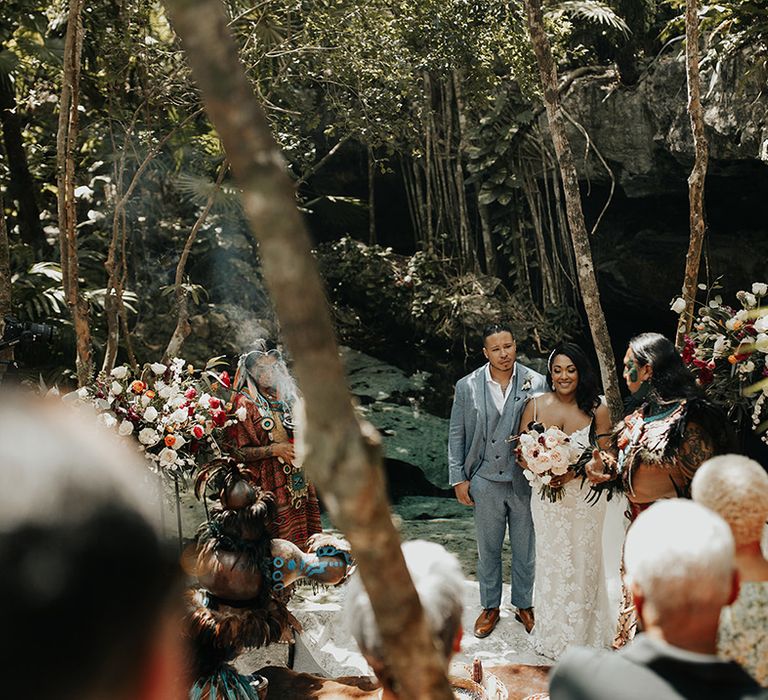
[697, 447]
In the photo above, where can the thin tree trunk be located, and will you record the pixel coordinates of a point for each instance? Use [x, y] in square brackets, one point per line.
[66, 141]
[183, 328]
[697, 178]
[371, 198]
[6, 355]
[428, 161]
[587, 279]
[344, 457]
[21, 186]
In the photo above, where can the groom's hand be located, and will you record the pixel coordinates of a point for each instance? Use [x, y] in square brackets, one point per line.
[462, 493]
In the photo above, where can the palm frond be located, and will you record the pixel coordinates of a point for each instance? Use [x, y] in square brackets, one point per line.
[592, 11]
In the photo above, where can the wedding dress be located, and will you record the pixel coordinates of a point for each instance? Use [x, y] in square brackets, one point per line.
[570, 596]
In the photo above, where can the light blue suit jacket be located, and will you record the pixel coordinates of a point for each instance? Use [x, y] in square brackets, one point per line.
[467, 429]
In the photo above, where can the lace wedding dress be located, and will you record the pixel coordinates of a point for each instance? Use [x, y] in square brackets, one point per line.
[570, 595]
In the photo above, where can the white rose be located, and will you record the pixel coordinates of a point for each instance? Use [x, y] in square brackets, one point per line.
[241, 413]
[158, 368]
[176, 401]
[167, 457]
[125, 428]
[180, 415]
[116, 388]
[760, 289]
[761, 325]
[678, 305]
[166, 392]
[180, 442]
[108, 419]
[119, 372]
[148, 437]
[749, 300]
[150, 414]
[205, 401]
[761, 343]
[82, 392]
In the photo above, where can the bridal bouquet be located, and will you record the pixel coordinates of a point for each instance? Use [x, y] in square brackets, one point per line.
[546, 453]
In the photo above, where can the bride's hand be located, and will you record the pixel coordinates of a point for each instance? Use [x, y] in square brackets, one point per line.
[595, 469]
[557, 481]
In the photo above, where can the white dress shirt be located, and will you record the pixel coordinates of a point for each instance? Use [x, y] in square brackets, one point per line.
[498, 396]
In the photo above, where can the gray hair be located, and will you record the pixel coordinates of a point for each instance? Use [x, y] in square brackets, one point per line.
[736, 488]
[437, 577]
[681, 555]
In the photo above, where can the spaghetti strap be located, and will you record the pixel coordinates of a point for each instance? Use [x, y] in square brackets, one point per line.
[535, 409]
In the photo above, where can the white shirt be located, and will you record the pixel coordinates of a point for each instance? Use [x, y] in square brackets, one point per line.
[498, 396]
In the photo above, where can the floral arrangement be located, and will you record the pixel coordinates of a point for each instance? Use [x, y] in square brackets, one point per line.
[544, 454]
[171, 411]
[727, 350]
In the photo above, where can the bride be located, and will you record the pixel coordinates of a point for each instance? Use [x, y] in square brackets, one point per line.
[570, 588]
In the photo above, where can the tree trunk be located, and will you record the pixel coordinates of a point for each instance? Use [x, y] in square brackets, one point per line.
[587, 280]
[21, 187]
[183, 328]
[343, 456]
[697, 178]
[371, 198]
[6, 355]
[66, 141]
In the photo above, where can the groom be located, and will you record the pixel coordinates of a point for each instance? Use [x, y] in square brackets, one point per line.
[483, 472]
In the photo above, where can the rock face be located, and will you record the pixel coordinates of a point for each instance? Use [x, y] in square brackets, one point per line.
[644, 133]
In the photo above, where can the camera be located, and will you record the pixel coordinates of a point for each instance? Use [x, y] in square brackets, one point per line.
[21, 331]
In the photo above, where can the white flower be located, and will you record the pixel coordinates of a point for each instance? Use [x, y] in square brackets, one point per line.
[177, 400]
[148, 436]
[104, 404]
[759, 289]
[145, 400]
[158, 368]
[116, 388]
[166, 392]
[125, 428]
[180, 415]
[546, 478]
[529, 475]
[761, 343]
[747, 367]
[108, 419]
[721, 346]
[204, 401]
[241, 413]
[716, 302]
[678, 305]
[749, 300]
[119, 372]
[167, 457]
[82, 392]
[761, 325]
[180, 441]
[150, 414]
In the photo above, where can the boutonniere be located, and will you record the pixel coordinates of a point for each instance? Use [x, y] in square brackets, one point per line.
[527, 383]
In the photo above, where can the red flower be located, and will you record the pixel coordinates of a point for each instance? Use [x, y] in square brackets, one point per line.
[214, 402]
[219, 417]
[198, 431]
[190, 393]
[225, 380]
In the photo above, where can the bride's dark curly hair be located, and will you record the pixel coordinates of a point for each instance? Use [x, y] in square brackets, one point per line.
[671, 379]
[588, 388]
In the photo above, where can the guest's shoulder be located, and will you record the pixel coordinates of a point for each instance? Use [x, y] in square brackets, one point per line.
[582, 672]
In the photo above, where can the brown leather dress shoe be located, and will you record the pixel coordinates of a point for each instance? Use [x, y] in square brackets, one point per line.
[525, 615]
[486, 623]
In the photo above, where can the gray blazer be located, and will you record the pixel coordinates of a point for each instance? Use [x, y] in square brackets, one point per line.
[646, 669]
[467, 429]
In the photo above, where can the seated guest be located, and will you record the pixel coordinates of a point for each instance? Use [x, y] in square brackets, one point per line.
[438, 580]
[680, 568]
[90, 594]
[736, 488]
